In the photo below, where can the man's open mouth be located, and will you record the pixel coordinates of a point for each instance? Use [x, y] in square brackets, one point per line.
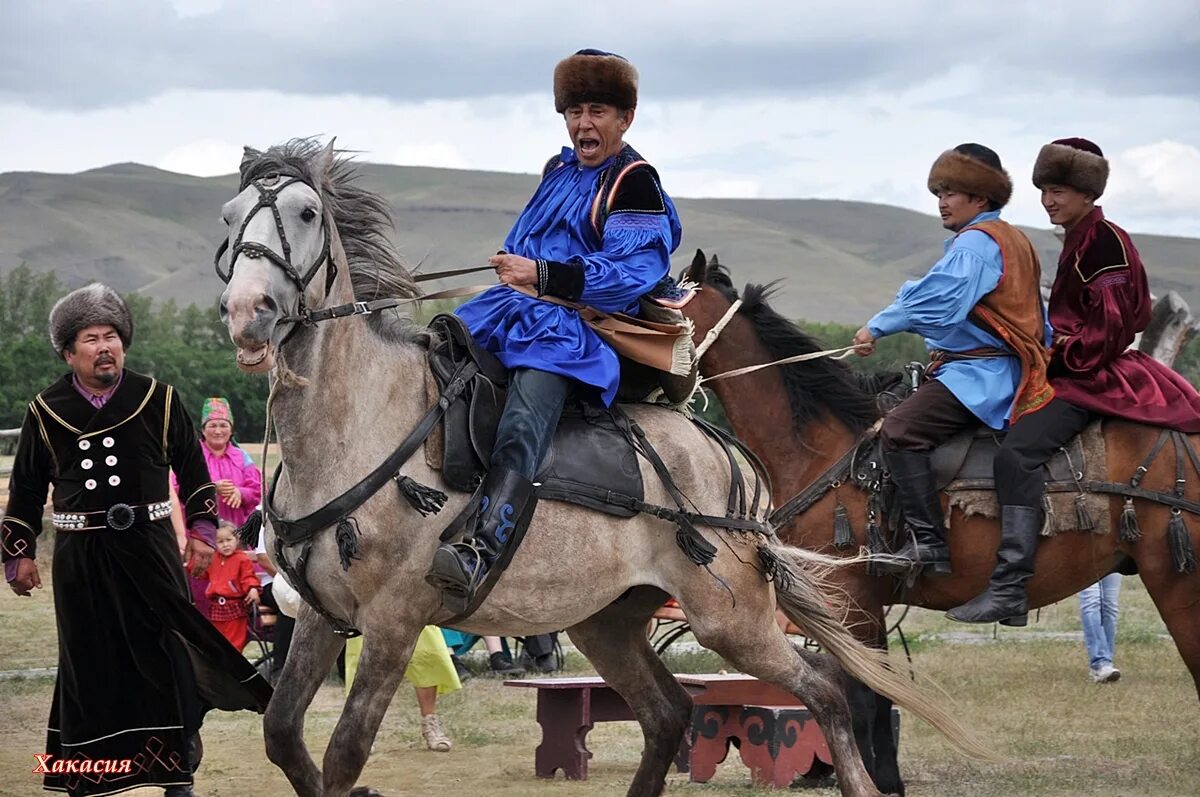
[588, 145]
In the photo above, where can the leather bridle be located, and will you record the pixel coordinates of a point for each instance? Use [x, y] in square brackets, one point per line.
[268, 197]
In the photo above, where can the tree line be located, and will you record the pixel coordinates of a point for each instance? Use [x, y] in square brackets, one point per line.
[189, 347]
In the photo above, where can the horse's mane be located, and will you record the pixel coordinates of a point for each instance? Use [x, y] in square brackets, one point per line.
[363, 219]
[815, 386]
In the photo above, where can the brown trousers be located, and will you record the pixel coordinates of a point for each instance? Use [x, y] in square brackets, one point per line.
[925, 420]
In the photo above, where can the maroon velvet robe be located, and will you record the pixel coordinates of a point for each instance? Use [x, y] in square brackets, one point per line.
[1100, 300]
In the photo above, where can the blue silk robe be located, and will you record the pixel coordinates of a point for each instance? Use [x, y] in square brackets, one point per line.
[526, 332]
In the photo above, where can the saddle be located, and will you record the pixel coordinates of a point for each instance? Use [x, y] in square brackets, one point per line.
[965, 461]
[591, 461]
[963, 469]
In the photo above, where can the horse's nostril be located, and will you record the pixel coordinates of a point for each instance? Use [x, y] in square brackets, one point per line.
[267, 305]
[223, 310]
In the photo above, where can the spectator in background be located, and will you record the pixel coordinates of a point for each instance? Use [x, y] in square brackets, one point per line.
[500, 663]
[236, 477]
[1098, 612]
[431, 671]
[281, 639]
[232, 586]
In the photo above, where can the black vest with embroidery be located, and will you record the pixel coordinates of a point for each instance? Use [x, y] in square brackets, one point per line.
[116, 454]
[606, 184]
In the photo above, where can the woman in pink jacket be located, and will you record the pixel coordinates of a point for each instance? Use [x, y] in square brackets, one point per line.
[238, 480]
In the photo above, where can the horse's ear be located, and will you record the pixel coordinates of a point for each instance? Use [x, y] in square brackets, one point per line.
[249, 156]
[712, 262]
[697, 271]
[326, 158]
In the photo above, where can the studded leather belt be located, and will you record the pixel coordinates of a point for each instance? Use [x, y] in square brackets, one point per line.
[117, 517]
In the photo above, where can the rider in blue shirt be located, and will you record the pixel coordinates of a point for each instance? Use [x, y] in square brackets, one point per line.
[976, 375]
[598, 231]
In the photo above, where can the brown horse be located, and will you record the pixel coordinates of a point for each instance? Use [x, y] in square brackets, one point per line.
[802, 418]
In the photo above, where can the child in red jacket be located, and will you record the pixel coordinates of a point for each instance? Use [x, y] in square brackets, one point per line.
[232, 586]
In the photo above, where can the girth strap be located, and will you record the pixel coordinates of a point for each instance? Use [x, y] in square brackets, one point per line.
[1167, 499]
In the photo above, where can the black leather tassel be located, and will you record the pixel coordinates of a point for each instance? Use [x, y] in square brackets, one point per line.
[843, 537]
[1083, 517]
[248, 532]
[1182, 555]
[693, 544]
[426, 500]
[1130, 531]
[775, 569]
[347, 541]
[875, 543]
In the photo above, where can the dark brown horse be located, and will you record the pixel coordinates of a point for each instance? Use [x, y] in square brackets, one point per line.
[802, 418]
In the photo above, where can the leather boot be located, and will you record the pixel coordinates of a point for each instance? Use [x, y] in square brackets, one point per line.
[1004, 599]
[498, 515]
[920, 499]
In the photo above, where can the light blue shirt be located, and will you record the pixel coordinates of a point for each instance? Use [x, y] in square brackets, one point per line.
[936, 307]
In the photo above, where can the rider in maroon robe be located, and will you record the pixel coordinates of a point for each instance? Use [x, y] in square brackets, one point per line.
[1099, 302]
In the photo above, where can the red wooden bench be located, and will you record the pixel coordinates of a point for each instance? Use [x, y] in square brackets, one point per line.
[775, 734]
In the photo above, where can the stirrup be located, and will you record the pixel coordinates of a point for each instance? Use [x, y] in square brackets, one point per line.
[451, 573]
[912, 568]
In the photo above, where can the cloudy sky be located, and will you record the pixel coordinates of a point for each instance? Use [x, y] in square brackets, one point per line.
[849, 100]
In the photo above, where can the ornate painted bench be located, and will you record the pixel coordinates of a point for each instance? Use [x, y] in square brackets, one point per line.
[775, 735]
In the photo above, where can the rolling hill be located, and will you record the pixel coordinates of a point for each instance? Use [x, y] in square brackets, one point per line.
[143, 229]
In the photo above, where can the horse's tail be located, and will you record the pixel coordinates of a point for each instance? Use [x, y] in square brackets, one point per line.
[801, 599]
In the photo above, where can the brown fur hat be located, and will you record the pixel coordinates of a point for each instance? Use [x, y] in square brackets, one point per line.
[92, 305]
[1076, 162]
[595, 76]
[972, 169]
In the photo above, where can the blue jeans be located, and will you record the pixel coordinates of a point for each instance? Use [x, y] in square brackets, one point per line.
[531, 412]
[1098, 612]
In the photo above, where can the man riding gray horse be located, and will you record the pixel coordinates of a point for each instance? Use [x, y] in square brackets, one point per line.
[599, 231]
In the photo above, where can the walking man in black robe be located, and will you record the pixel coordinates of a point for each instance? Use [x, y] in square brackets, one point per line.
[138, 666]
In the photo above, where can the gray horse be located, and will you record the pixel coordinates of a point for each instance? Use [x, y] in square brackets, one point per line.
[344, 393]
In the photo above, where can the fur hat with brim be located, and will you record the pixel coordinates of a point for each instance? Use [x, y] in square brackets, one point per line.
[1076, 162]
[91, 305]
[956, 171]
[595, 76]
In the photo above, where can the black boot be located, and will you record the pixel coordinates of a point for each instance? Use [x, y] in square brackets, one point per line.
[501, 664]
[1004, 599]
[499, 514]
[920, 499]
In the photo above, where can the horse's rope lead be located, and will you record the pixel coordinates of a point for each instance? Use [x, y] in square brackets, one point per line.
[833, 354]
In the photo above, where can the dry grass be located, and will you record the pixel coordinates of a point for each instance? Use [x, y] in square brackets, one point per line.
[1031, 700]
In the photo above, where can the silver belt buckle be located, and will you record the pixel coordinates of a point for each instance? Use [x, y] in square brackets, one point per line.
[119, 517]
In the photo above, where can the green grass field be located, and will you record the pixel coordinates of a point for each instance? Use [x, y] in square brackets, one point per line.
[1025, 692]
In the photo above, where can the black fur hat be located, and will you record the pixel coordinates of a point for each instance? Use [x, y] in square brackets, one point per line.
[91, 305]
[595, 76]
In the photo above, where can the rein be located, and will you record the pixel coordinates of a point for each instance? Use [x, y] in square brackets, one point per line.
[269, 188]
[717, 329]
[336, 513]
[833, 354]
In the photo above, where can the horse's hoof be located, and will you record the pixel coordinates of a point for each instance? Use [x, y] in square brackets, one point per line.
[365, 791]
